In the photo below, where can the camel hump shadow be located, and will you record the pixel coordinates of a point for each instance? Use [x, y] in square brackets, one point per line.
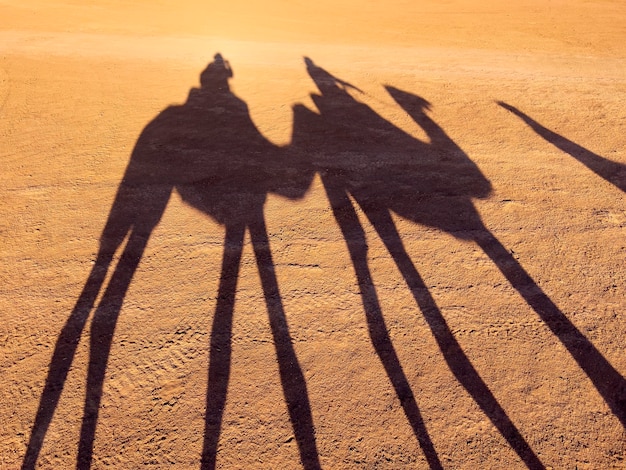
[210, 151]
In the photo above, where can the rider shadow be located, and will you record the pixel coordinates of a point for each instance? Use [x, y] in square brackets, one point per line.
[361, 157]
[613, 172]
[210, 152]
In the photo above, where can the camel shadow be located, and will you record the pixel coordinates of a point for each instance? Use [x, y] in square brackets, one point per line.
[211, 153]
[365, 160]
[613, 172]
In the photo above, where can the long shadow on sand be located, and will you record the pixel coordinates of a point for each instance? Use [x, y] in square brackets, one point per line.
[363, 158]
[209, 150]
[613, 172]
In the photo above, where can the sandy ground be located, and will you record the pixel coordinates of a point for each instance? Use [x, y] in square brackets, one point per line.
[402, 285]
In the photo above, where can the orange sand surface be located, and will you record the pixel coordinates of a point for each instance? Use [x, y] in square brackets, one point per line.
[313, 234]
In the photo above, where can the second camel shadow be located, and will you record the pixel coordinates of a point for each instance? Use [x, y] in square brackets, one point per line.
[365, 160]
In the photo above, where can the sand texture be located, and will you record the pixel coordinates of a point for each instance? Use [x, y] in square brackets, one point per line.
[330, 234]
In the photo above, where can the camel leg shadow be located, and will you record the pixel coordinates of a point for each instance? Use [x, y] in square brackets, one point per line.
[134, 214]
[63, 356]
[101, 336]
[69, 338]
[455, 357]
[354, 236]
[102, 328]
[291, 375]
[220, 348]
[608, 381]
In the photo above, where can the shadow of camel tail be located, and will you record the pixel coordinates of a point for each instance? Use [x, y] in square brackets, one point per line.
[354, 235]
[613, 172]
[62, 358]
[455, 357]
[608, 381]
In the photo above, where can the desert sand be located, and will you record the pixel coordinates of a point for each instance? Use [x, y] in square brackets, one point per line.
[313, 234]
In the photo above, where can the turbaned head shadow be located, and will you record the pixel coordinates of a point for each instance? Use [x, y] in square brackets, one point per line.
[209, 151]
[365, 160]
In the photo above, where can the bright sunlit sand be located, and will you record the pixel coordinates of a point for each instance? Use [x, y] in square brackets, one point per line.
[312, 234]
